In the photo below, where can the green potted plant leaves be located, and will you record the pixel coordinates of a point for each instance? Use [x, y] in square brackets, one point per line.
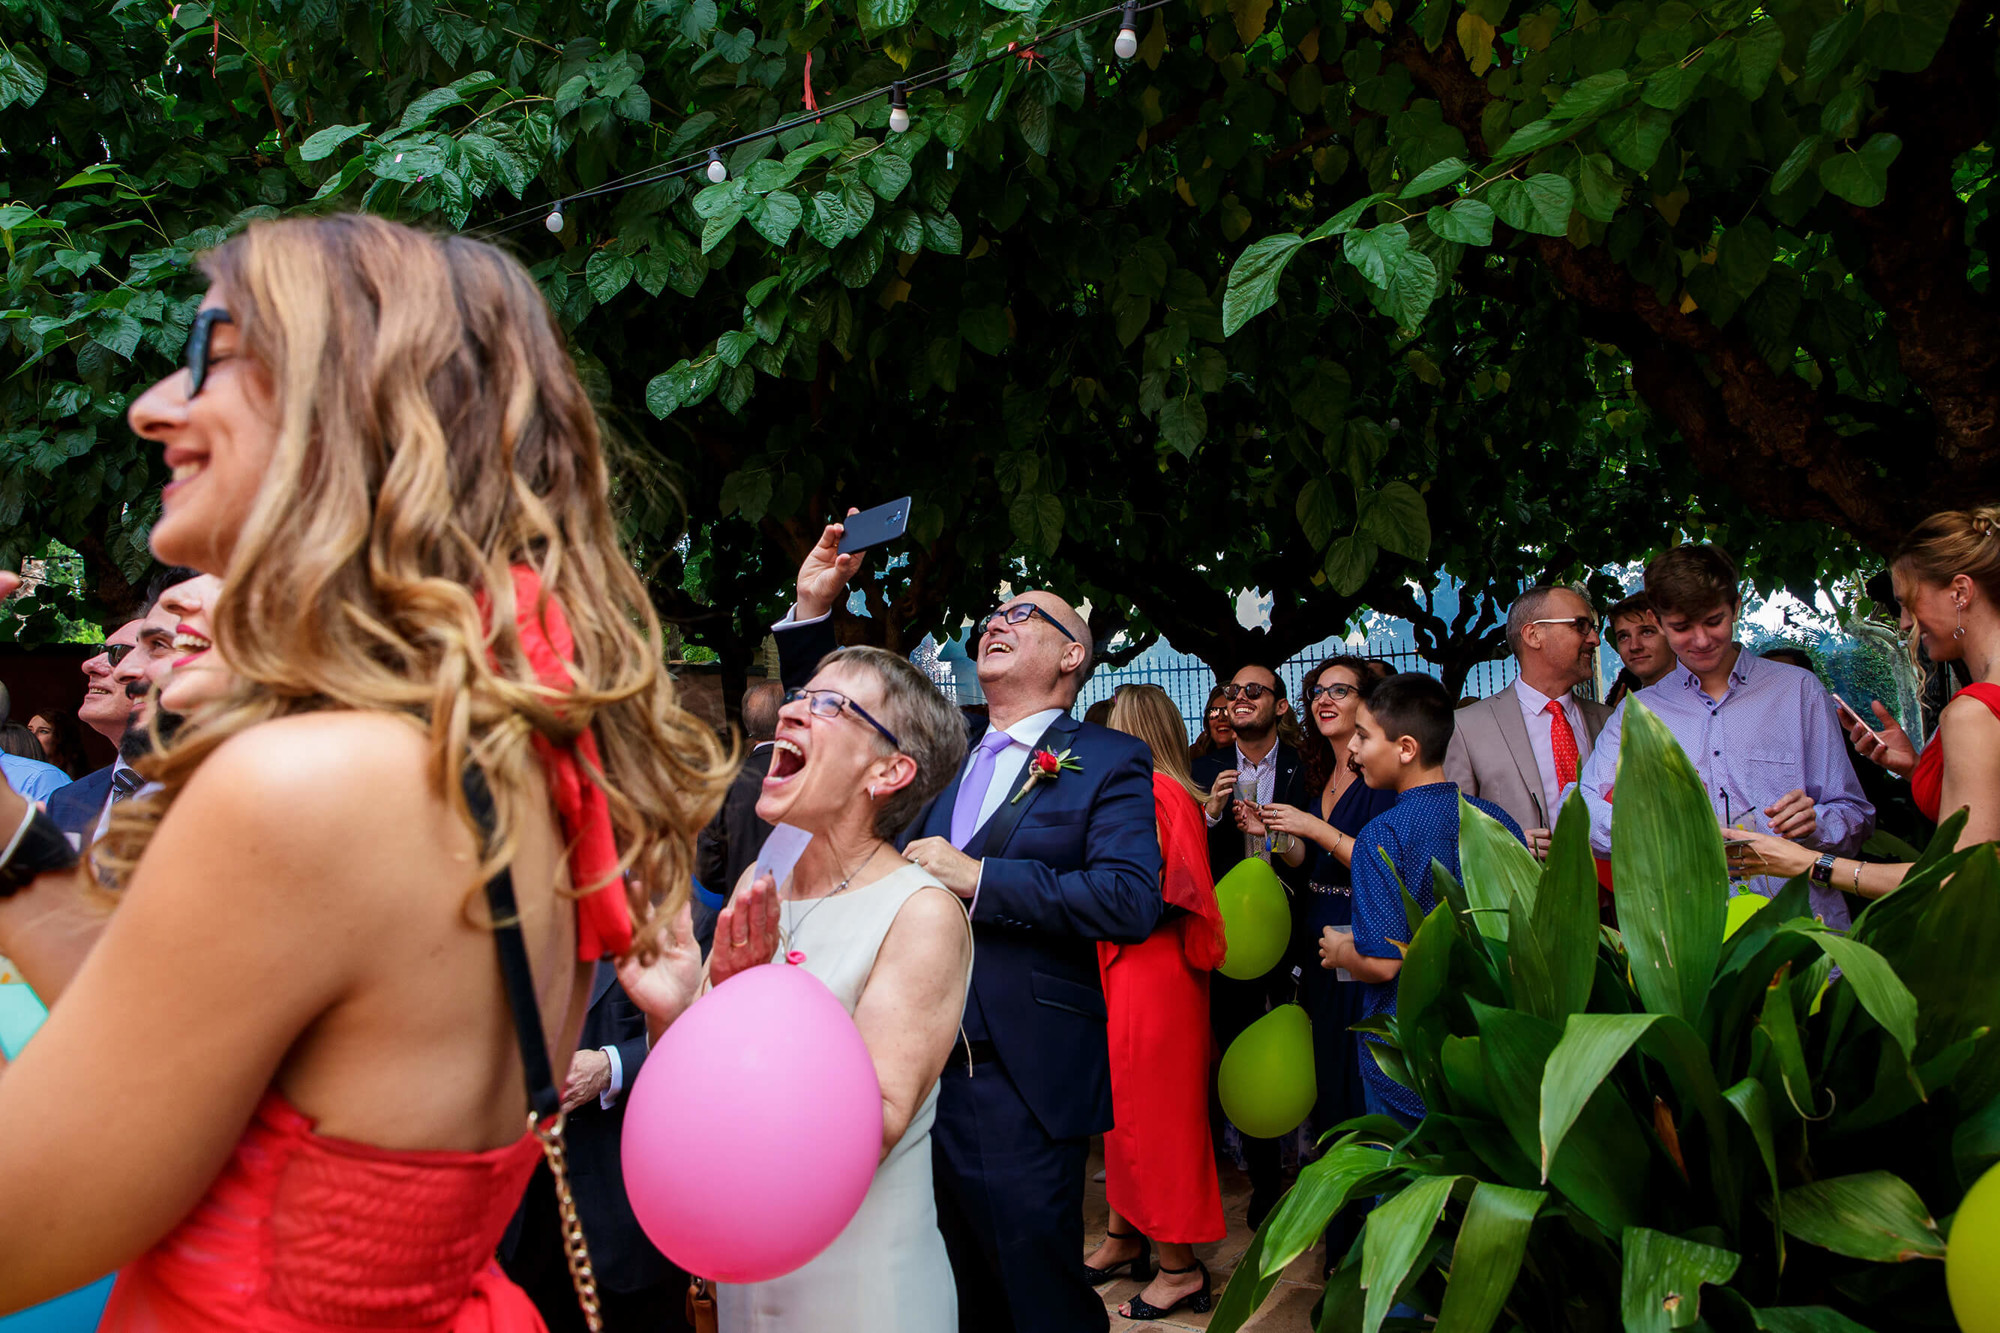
[1663, 1128]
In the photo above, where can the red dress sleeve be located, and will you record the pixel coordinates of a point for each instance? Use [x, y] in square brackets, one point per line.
[1927, 779]
[1185, 881]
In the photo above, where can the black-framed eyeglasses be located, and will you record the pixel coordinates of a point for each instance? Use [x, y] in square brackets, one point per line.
[1581, 624]
[1340, 691]
[115, 652]
[1019, 614]
[1252, 691]
[831, 703]
[199, 338]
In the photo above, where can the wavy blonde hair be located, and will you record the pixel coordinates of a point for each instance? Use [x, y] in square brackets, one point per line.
[432, 433]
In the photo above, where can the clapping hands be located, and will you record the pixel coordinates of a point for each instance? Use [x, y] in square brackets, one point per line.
[746, 932]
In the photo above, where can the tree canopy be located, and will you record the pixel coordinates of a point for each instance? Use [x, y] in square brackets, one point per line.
[1324, 300]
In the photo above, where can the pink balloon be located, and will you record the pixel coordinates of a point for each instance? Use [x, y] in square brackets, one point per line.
[754, 1128]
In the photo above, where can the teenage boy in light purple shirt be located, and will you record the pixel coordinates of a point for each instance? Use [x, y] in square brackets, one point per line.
[1762, 735]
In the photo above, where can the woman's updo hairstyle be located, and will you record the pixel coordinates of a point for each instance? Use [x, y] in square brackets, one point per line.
[431, 435]
[1954, 542]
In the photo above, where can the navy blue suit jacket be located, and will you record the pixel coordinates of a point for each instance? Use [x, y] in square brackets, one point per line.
[77, 807]
[624, 1259]
[1075, 861]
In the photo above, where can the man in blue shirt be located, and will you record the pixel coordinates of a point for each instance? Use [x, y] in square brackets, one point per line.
[1400, 738]
[1763, 736]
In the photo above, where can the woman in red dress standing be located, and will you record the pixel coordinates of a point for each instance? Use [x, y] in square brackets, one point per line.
[281, 1087]
[1947, 580]
[1159, 1168]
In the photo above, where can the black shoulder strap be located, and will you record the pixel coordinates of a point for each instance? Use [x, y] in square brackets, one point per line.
[543, 1099]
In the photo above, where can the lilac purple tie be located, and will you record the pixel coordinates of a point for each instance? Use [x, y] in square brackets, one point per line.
[972, 790]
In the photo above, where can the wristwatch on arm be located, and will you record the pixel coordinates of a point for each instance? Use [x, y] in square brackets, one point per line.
[1822, 869]
[35, 847]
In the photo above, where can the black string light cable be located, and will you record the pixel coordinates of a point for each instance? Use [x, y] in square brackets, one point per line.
[709, 159]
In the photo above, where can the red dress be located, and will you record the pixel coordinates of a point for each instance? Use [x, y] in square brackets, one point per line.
[302, 1233]
[1927, 779]
[1159, 1168]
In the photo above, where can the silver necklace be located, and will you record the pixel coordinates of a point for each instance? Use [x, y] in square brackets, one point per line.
[839, 889]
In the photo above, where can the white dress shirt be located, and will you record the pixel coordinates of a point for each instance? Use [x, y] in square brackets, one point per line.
[1541, 739]
[1007, 765]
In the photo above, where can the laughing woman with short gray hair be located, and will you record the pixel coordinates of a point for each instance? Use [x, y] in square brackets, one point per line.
[859, 751]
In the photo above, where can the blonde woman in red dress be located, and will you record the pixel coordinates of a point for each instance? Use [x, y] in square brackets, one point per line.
[303, 1103]
[1159, 1166]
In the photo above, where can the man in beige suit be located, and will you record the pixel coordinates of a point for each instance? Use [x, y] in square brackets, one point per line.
[1521, 748]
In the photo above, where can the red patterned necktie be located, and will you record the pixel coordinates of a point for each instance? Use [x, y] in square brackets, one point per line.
[1562, 739]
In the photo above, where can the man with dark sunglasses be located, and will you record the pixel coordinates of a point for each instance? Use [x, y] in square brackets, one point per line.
[114, 705]
[1521, 748]
[1259, 769]
[1048, 834]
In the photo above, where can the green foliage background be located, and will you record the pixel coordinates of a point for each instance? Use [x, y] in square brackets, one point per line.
[1515, 351]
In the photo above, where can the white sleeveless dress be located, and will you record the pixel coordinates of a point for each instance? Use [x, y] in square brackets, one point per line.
[887, 1272]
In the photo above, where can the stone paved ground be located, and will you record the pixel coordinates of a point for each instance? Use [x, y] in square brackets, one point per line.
[1288, 1310]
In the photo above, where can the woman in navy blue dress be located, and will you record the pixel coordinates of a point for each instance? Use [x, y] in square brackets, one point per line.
[1323, 842]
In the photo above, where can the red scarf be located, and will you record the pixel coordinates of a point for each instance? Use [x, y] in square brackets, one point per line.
[603, 916]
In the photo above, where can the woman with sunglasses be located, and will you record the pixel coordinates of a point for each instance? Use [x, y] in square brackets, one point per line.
[1216, 732]
[1323, 841]
[864, 746]
[445, 736]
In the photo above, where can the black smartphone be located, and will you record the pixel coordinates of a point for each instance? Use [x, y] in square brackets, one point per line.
[872, 527]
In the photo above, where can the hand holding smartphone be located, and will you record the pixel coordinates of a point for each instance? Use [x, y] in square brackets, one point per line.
[1849, 711]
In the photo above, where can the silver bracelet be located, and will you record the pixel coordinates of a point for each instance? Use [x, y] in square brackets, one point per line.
[14, 843]
[1857, 877]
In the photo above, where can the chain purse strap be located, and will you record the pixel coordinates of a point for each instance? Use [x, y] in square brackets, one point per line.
[546, 1118]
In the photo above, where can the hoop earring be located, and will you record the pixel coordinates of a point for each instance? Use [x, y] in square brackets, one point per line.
[872, 794]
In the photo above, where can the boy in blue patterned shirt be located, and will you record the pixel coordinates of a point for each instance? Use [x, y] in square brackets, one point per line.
[1400, 738]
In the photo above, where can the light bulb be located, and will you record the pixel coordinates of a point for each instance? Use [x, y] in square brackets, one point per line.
[899, 108]
[555, 221]
[1127, 44]
[717, 173]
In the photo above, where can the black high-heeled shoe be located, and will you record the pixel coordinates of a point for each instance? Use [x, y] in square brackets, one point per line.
[1140, 1265]
[1197, 1301]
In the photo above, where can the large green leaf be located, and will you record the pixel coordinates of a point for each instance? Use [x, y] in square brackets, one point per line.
[1247, 1286]
[1348, 1170]
[1807, 1319]
[1664, 1276]
[1862, 177]
[1487, 1256]
[1253, 279]
[1591, 1046]
[1876, 985]
[1394, 1237]
[1667, 861]
[1496, 865]
[1754, 1105]
[1555, 958]
[1873, 1215]
[1603, 1168]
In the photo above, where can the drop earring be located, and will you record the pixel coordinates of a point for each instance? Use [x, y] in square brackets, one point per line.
[1959, 633]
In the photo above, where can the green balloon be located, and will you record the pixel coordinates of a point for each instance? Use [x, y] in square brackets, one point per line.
[1267, 1081]
[1256, 919]
[1741, 908]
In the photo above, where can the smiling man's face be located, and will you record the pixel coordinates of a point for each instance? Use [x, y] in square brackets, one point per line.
[105, 708]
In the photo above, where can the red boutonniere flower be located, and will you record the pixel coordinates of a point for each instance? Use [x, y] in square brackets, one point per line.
[1045, 764]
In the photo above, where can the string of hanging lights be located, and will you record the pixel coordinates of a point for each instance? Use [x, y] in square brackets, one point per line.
[709, 160]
